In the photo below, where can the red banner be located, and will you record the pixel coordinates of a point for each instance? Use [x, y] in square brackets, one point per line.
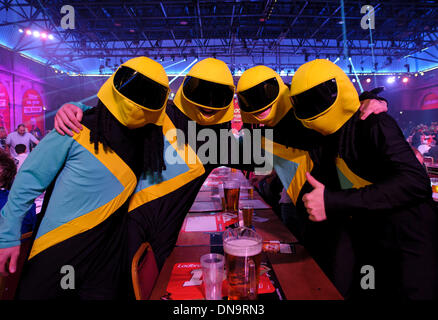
[430, 101]
[5, 116]
[33, 112]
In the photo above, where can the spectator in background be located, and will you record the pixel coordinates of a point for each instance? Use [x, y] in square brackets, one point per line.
[8, 170]
[433, 151]
[425, 146]
[416, 139]
[20, 137]
[3, 136]
[20, 150]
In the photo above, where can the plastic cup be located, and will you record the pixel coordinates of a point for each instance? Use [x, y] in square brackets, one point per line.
[213, 275]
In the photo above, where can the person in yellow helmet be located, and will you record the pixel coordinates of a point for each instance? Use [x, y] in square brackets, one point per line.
[79, 246]
[383, 188]
[160, 203]
[264, 99]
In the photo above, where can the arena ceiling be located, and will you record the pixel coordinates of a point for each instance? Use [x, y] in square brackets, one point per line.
[281, 34]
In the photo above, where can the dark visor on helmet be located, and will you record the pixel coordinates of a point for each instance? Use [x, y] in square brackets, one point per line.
[139, 88]
[316, 100]
[208, 94]
[259, 96]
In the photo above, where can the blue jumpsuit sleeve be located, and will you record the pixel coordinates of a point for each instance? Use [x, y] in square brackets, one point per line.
[82, 106]
[36, 174]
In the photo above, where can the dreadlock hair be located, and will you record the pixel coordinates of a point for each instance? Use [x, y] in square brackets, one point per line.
[8, 170]
[151, 134]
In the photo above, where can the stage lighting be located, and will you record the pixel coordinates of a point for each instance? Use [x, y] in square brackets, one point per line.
[391, 80]
[405, 80]
[51, 37]
[28, 32]
[36, 34]
[44, 35]
[368, 80]
[20, 30]
[353, 80]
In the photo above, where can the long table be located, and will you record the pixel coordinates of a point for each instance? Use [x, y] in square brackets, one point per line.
[298, 274]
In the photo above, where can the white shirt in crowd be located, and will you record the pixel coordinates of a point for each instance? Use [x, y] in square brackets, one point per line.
[424, 148]
[15, 138]
[20, 159]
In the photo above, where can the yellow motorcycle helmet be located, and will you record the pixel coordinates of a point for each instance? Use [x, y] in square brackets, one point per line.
[136, 94]
[263, 97]
[206, 94]
[323, 96]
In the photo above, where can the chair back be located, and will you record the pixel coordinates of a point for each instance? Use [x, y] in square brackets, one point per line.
[144, 272]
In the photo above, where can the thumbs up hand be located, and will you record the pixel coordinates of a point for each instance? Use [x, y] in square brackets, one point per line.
[314, 201]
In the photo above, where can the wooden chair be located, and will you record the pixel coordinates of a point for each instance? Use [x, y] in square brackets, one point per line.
[144, 272]
[9, 284]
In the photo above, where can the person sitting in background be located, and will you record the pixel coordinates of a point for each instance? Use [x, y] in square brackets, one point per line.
[20, 150]
[425, 145]
[433, 152]
[416, 140]
[20, 137]
[8, 170]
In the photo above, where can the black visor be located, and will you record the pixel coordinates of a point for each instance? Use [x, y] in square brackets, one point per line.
[312, 102]
[259, 96]
[206, 93]
[139, 88]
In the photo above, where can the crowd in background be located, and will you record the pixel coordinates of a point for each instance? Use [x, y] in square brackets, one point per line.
[14, 149]
[423, 140]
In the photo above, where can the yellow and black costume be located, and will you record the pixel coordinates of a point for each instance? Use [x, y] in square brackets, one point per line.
[89, 179]
[157, 209]
[383, 187]
[265, 100]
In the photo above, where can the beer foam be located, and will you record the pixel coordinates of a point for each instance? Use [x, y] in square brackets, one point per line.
[242, 247]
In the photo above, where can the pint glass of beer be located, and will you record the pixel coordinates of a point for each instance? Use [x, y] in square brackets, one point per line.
[247, 213]
[243, 254]
[231, 196]
[434, 183]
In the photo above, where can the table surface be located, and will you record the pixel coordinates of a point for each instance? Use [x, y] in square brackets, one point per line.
[298, 274]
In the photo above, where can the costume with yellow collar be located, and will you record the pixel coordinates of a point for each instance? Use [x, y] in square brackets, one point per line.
[216, 73]
[88, 187]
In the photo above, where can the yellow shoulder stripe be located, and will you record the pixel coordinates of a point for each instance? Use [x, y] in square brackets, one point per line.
[297, 156]
[196, 169]
[357, 181]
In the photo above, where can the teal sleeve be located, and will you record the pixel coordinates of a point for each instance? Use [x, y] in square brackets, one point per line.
[35, 175]
[82, 106]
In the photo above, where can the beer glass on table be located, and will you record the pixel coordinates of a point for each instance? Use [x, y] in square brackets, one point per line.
[231, 196]
[247, 211]
[243, 254]
[434, 184]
